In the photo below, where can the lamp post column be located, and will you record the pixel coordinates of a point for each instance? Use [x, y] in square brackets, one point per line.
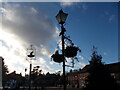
[61, 18]
[30, 76]
[63, 47]
[31, 56]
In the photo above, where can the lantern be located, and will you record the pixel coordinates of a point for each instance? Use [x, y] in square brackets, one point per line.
[61, 17]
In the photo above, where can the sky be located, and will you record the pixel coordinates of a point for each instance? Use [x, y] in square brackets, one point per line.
[88, 24]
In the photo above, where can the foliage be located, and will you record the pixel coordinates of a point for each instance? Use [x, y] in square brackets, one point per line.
[4, 71]
[40, 79]
[4, 67]
[99, 78]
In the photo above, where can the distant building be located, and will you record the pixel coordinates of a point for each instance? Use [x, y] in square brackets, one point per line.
[77, 78]
[14, 80]
[114, 69]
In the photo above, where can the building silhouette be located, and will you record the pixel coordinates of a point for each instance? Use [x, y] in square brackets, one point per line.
[78, 78]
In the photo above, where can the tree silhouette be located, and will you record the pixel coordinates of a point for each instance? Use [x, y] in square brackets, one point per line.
[99, 78]
[36, 75]
[4, 71]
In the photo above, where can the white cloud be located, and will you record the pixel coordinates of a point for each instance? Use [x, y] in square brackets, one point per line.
[44, 65]
[42, 61]
[21, 27]
[81, 5]
[80, 64]
[105, 53]
[52, 63]
[12, 52]
[110, 16]
[81, 57]
[66, 4]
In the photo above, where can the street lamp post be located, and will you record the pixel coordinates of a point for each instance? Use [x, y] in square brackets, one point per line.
[61, 18]
[31, 55]
[30, 76]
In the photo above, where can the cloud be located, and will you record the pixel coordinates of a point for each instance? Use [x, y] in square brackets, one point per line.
[81, 64]
[52, 63]
[22, 26]
[44, 65]
[104, 53]
[64, 4]
[81, 57]
[12, 52]
[81, 5]
[42, 61]
[110, 17]
[29, 24]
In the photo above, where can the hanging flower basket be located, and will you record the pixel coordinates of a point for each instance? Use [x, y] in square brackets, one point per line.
[57, 57]
[71, 51]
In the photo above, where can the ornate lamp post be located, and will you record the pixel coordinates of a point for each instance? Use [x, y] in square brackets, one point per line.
[67, 52]
[31, 56]
[61, 18]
